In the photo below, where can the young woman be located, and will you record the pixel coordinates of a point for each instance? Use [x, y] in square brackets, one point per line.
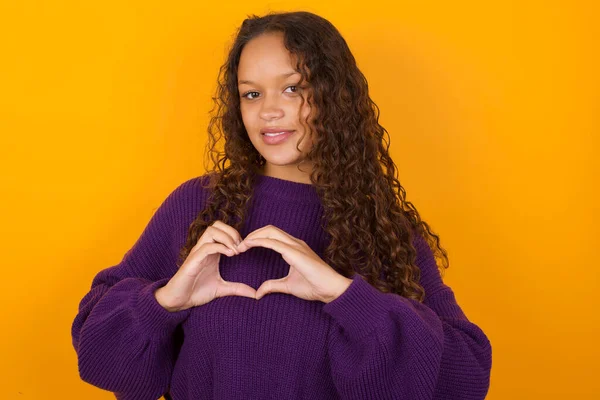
[329, 288]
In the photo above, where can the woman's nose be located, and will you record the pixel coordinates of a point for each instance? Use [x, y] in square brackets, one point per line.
[271, 109]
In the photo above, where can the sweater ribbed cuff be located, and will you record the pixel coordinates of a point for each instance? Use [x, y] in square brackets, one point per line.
[154, 318]
[360, 309]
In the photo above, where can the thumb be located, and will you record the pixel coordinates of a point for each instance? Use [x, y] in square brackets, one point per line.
[236, 289]
[272, 286]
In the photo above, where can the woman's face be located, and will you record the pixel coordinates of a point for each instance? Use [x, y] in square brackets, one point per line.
[270, 98]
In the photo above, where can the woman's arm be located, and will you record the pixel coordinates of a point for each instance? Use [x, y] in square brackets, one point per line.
[386, 346]
[124, 339]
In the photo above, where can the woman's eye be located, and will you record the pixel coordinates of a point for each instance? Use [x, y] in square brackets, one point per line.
[246, 95]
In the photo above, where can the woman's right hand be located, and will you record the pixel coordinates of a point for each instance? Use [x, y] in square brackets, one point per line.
[198, 281]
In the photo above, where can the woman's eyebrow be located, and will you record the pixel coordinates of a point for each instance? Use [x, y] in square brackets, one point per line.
[285, 75]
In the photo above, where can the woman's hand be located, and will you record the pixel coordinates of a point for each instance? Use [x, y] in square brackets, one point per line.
[310, 278]
[198, 281]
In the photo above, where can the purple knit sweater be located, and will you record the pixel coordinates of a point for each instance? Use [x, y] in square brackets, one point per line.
[363, 345]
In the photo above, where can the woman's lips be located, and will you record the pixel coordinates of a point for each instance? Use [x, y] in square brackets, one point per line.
[277, 139]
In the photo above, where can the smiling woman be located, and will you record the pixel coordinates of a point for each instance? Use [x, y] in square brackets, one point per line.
[329, 288]
[275, 111]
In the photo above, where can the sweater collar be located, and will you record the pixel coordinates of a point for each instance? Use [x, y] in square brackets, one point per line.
[266, 186]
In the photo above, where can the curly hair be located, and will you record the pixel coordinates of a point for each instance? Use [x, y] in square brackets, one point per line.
[370, 223]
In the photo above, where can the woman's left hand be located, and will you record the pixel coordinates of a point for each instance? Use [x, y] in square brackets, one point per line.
[310, 278]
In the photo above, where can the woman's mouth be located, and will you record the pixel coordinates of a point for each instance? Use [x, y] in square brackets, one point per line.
[276, 137]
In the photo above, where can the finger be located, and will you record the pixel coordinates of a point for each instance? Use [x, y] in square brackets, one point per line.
[275, 239]
[235, 289]
[215, 247]
[230, 230]
[272, 286]
[272, 232]
[193, 265]
[203, 251]
[273, 244]
[215, 235]
[220, 236]
[257, 232]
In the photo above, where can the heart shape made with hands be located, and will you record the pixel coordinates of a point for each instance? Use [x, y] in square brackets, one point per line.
[309, 278]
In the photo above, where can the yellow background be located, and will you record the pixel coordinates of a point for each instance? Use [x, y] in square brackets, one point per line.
[492, 108]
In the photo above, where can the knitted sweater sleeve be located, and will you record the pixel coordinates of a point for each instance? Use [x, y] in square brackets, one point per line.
[124, 339]
[385, 346]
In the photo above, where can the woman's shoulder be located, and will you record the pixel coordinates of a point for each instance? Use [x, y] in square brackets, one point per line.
[183, 204]
[188, 197]
[192, 186]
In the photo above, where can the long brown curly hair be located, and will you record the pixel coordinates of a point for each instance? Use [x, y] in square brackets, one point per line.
[370, 223]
